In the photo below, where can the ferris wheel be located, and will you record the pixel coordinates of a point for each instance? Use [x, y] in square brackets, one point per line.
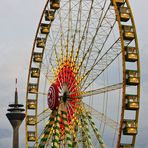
[83, 86]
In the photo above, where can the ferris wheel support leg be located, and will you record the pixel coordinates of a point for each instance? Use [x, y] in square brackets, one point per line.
[55, 141]
[47, 132]
[96, 131]
[67, 133]
[86, 129]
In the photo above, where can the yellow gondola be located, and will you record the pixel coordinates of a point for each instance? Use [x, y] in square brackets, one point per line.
[130, 127]
[131, 54]
[31, 104]
[32, 88]
[31, 136]
[31, 120]
[37, 57]
[49, 15]
[35, 72]
[55, 4]
[124, 14]
[131, 102]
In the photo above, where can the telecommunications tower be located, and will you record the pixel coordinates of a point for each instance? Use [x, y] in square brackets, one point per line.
[15, 115]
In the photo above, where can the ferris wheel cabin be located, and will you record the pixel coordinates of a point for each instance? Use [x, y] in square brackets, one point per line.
[55, 4]
[131, 102]
[35, 72]
[49, 15]
[37, 57]
[131, 54]
[124, 14]
[132, 77]
[31, 104]
[40, 42]
[45, 28]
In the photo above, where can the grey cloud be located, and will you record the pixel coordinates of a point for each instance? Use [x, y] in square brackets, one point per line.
[15, 46]
[5, 133]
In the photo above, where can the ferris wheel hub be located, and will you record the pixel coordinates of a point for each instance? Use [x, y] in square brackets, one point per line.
[53, 97]
[56, 95]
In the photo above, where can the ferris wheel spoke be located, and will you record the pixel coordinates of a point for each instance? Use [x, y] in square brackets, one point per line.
[69, 112]
[96, 131]
[61, 36]
[53, 69]
[57, 58]
[54, 57]
[64, 30]
[99, 32]
[75, 32]
[100, 24]
[102, 117]
[45, 70]
[68, 31]
[106, 34]
[98, 91]
[43, 115]
[84, 31]
[103, 63]
[56, 36]
[61, 39]
[41, 93]
[101, 90]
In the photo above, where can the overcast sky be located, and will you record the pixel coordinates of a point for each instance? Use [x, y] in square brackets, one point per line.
[18, 23]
